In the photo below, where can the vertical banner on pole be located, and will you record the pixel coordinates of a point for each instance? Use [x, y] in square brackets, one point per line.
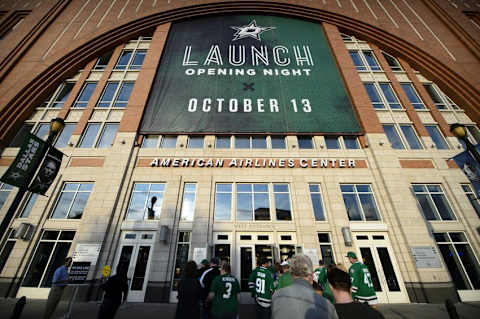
[471, 168]
[25, 163]
[47, 172]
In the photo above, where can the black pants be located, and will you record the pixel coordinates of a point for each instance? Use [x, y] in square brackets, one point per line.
[262, 312]
[108, 309]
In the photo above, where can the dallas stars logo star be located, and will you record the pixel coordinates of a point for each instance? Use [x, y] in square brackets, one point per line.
[250, 31]
[15, 175]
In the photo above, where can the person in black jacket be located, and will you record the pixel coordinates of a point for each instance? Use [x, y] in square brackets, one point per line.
[116, 290]
[206, 281]
[188, 293]
[205, 266]
[341, 286]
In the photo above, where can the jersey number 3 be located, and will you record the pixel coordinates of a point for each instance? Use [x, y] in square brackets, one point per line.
[228, 293]
[260, 283]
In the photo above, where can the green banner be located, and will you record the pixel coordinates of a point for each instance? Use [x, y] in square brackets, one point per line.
[25, 163]
[248, 74]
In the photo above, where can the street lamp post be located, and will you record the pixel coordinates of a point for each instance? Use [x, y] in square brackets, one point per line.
[56, 126]
[460, 132]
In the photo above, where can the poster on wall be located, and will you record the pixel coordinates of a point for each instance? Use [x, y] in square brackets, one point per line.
[248, 74]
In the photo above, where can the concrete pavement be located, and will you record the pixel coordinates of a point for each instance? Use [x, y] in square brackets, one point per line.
[34, 309]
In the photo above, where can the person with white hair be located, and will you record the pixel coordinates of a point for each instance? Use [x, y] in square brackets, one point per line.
[299, 300]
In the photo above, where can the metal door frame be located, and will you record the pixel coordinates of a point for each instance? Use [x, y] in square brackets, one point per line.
[136, 296]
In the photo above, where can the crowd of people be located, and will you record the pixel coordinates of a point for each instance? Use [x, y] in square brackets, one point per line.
[288, 290]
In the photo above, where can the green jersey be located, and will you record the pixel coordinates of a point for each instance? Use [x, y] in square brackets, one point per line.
[362, 286]
[262, 286]
[285, 280]
[226, 289]
[320, 276]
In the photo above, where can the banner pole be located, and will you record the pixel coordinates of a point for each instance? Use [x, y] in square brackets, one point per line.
[7, 219]
[18, 199]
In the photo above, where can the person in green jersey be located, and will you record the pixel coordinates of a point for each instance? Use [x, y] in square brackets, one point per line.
[224, 294]
[362, 286]
[286, 278]
[320, 277]
[261, 285]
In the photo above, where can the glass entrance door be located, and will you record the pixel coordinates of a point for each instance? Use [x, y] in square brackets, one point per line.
[140, 268]
[246, 266]
[135, 254]
[375, 252]
[369, 261]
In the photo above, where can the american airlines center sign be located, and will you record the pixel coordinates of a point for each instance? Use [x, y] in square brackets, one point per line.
[247, 74]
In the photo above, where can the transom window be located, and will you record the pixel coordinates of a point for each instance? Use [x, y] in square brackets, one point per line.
[116, 94]
[223, 142]
[72, 200]
[42, 130]
[338, 142]
[154, 141]
[139, 207]
[359, 202]
[278, 142]
[58, 98]
[412, 95]
[245, 142]
[250, 142]
[433, 202]
[364, 60]
[435, 96]
[437, 137]
[85, 94]
[130, 60]
[382, 95]
[102, 61]
[50, 253]
[440, 100]
[305, 142]
[195, 142]
[407, 137]
[460, 259]
[252, 201]
[346, 37]
[64, 138]
[317, 202]
[99, 135]
[392, 62]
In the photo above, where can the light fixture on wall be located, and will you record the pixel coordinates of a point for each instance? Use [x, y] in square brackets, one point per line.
[347, 236]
